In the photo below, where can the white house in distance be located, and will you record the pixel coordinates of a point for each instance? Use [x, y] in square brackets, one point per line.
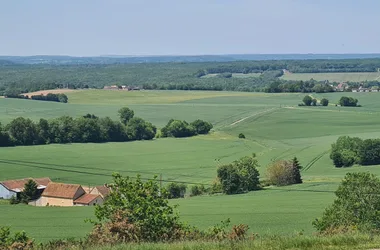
[11, 188]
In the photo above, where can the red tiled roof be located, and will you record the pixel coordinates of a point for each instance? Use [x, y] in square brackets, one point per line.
[103, 190]
[86, 198]
[61, 190]
[19, 184]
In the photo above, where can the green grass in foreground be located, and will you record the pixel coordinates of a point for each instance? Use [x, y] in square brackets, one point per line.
[275, 127]
[334, 77]
[268, 243]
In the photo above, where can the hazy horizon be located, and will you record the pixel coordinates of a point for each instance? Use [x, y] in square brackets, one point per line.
[172, 28]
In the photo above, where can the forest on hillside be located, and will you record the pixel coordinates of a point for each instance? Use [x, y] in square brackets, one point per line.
[22, 78]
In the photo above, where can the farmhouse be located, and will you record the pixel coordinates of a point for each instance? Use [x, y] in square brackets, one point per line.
[102, 191]
[342, 86]
[66, 195]
[11, 188]
[112, 87]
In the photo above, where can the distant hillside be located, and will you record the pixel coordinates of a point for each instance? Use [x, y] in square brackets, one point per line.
[6, 62]
[116, 59]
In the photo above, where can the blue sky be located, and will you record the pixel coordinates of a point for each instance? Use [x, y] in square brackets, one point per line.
[188, 27]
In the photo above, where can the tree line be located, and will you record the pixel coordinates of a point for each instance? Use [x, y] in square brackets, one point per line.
[49, 97]
[89, 128]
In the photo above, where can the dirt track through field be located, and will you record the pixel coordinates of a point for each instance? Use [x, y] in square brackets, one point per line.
[256, 114]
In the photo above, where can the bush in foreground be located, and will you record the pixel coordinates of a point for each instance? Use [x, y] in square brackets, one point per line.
[137, 211]
[356, 206]
[18, 240]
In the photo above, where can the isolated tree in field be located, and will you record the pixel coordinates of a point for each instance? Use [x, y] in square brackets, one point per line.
[324, 102]
[240, 176]
[307, 100]
[356, 206]
[314, 102]
[125, 115]
[241, 136]
[348, 101]
[201, 127]
[30, 191]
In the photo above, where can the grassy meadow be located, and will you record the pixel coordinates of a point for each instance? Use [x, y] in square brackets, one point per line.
[274, 126]
[334, 77]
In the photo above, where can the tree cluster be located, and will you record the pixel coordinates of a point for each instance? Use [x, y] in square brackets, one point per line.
[51, 97]
[347, 151]
[65, 129]
[177, 128]
[239, 176]
[283, 173]
[345, 101]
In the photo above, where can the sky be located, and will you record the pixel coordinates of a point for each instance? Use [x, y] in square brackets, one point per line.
[188, 27]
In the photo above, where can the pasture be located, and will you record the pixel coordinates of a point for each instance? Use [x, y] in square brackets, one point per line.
[334, 77]
[274, 126]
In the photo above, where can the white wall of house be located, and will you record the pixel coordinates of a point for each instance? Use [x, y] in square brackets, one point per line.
[5, 193]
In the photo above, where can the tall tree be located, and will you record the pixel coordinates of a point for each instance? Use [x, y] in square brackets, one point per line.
[126, 114]
[30, 191]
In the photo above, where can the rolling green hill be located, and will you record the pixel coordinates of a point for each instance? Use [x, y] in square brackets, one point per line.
[274, 126]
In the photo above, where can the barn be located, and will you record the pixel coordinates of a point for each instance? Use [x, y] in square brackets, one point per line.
[11, 188]
[61, 194]
[67, 195]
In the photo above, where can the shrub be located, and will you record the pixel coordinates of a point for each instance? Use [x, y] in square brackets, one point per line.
[283, 173]
[176, 190]
[18, 240]
[307, 100]
[324, 102]
[198, 190]
[356, 206]
[314, 102]
[241, 136]
[201, 127]
[240, 176]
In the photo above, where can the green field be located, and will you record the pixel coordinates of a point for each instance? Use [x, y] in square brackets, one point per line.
[275, 128]
[334, 77]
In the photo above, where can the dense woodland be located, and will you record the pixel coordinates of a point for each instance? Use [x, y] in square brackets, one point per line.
[23, 78]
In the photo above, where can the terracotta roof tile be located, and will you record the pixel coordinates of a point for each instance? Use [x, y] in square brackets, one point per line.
[20, 183]
[103, 190]
[61, 190]
[86, 199]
